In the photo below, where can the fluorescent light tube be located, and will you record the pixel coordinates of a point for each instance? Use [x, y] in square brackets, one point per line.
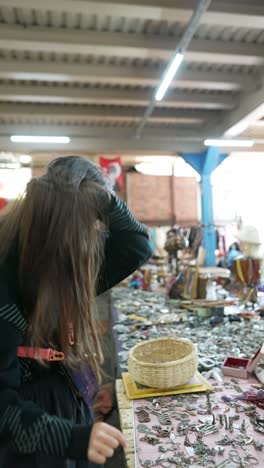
[157, 169]
[25, 159]
[39, 139]
[243, 124]
[224, 142]
[169, 75]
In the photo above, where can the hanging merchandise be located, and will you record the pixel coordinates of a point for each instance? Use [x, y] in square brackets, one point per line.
[114, 170]
[247, 271]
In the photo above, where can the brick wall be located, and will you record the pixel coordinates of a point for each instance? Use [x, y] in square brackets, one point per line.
[186, 200]
[163, 200]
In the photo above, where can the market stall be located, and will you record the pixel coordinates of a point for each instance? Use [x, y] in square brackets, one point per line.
[221, 423]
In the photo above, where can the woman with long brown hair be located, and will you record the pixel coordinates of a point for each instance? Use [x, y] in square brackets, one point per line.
[69, 239]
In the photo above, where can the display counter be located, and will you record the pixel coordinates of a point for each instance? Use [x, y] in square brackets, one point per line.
[222, 428]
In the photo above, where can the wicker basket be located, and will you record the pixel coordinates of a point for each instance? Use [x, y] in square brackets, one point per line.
[163, 362]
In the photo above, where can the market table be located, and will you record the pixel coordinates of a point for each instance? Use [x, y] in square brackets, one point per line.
[243, 430]
[141, 316]
[125, 409]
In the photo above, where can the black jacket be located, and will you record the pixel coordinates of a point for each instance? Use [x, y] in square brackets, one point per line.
[26, 426]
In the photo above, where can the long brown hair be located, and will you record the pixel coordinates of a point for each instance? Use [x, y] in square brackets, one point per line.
[60, 252]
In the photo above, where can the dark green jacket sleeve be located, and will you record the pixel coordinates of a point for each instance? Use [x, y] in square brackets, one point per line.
[127, 246]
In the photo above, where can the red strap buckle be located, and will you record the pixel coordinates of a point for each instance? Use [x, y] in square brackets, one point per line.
[47, 354]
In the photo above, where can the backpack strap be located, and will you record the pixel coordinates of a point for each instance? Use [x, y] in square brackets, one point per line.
[47, 354]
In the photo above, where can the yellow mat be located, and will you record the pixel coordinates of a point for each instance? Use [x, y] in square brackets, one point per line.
[135, 391]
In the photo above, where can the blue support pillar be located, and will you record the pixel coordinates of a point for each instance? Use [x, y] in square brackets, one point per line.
[205, 164]
[209, 235]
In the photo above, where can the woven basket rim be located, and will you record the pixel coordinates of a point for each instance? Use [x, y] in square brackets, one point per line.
[161, 364]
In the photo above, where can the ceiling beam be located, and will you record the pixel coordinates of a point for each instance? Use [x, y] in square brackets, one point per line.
[106, 145]
[111, 131]
[119, 144]
[60, 94]
[99, 113]
[248, 104]
[126, 45]
[124, 75]
[223, 13]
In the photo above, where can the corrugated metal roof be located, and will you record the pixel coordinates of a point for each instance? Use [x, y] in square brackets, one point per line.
[64, 20]
[20, 79]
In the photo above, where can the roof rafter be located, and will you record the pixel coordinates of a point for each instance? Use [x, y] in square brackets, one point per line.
[128, 75]
[249, 102]
[88, 113]
[126, 45]
[224, 13]
[59, 94]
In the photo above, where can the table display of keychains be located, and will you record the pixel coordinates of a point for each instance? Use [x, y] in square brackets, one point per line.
[142, 316]
[201, 430]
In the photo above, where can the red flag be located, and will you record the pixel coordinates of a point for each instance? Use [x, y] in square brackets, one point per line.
[113, 169]
[3, 203]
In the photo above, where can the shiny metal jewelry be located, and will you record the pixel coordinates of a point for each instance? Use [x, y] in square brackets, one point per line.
[164, 419]
[142, 428]
[173, 438]
[219, 450]
[224, 441]
[163, 449]
[149, 439]
[231, 425]
[242, 461]
[209, 404]
[224, 464]
[226, 422]
[143, 416]
[258, 445]
[243, 428]
[187, 441]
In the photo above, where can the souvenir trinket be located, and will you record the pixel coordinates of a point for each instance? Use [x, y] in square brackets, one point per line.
[242, 461]
[173, 438]
[258, 445]
[149, 439]
[224, 441]
[164, 419]
[187, 441]
[142, 428]
[143, 416]
[161, 432]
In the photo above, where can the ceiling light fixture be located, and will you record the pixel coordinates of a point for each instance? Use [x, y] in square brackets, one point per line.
[155, 169]
[39, 139]
[244, 123]
[225, 142]
[169, 75]
[25, 159]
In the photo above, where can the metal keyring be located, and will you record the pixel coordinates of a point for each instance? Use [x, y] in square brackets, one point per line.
[165, 464]
[250, 460]
[247, 460]
[234, 453]
[235, 457]
[248, 440]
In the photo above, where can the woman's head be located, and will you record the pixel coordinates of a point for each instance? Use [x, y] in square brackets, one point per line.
[60, 252]
[71, 172]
